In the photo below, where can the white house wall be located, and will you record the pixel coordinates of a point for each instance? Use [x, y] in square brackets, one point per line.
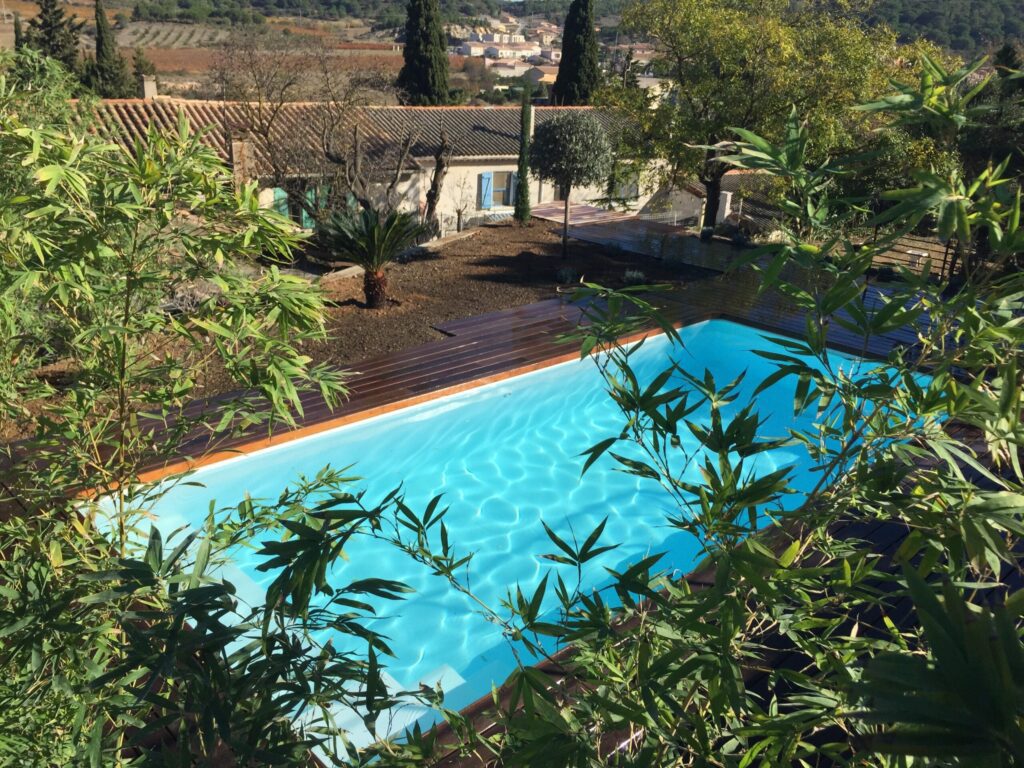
[461, 190]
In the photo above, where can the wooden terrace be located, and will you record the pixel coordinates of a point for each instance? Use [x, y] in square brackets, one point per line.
[645, 237]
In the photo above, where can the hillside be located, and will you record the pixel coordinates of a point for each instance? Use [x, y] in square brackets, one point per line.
[386, 12]
[965, 26]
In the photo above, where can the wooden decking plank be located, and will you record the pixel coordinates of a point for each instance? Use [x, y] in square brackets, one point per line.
[456, 371]
[473, 348]
[540, 310]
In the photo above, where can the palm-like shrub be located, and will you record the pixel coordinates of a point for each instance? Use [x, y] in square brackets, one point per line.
[372, 239]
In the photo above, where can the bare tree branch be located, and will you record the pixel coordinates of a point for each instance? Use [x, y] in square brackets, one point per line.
[442, 161]
[264, 77]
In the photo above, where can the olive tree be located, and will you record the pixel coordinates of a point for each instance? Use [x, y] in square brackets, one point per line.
[570, 150]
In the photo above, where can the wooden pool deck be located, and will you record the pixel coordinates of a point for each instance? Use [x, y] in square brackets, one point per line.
[579, 213]
[627, 232]
[496, 346]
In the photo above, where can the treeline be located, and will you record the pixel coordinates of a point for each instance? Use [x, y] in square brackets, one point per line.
[556, 9]
[196, 11]
[965, 26]
[386, 13]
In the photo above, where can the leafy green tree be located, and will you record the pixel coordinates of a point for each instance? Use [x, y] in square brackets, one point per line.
[55, 34]
[522, 207]
[742, 65]
[423, 79]
[579, 71]
[570, 150]
[107, 74]
[629, 67]
[372, 239]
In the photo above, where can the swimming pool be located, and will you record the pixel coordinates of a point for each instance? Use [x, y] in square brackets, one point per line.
[506, 456]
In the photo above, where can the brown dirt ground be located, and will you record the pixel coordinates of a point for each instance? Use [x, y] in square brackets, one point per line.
[500, 267]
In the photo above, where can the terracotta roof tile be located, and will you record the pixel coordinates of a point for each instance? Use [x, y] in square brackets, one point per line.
[300, 126]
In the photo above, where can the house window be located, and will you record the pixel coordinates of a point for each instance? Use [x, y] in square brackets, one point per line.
[316, 197]
[503, 181]
[495, 189]
[280, 204]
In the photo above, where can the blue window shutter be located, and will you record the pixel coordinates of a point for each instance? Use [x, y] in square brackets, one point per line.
[486, 190]
[311, 198]
[280, 201]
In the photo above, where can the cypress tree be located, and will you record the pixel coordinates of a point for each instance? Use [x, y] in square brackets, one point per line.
[522, 212]
[108, 74]
[423, 80]
[19, 33]
[54, 34]
[579, 73]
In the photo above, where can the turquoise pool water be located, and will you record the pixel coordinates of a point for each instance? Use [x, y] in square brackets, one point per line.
[505, 456]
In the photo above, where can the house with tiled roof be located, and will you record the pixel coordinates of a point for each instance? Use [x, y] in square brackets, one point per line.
[283, 145]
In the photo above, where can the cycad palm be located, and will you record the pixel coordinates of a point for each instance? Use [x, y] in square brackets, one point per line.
[371, 239]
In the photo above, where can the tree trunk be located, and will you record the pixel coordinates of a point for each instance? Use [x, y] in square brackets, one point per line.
[458, 221]
[442, 159]
[712, 199]
[565, 227]
[375, 288]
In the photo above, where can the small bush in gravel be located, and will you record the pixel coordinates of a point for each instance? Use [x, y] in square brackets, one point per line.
[634, 277]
